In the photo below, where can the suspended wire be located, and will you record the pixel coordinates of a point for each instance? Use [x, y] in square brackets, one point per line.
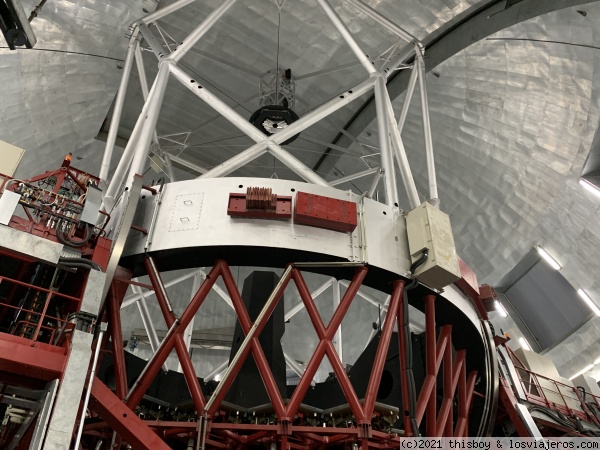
[37, 49]
[277, 74]
[279, 4]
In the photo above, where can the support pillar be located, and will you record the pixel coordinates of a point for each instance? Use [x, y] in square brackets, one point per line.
[64, 415]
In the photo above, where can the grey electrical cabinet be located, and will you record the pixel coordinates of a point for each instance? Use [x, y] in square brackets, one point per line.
[429, 229]
[10, 156]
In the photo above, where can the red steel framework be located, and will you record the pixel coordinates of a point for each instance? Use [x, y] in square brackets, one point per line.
[33, 350]
[117, 409]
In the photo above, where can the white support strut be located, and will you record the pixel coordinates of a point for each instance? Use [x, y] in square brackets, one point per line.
[383, 128]
[433, 192]
[118, 108]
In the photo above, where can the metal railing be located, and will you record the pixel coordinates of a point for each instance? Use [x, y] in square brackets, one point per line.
[557, 396]
[29, 323]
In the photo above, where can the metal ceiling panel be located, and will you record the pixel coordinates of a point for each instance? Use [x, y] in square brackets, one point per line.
[56, 96]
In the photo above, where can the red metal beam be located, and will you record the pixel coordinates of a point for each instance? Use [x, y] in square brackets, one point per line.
[508, 401]
[402, 348]
[345, 384]
[232, 373]
[439, 354]
[40, 319]
[124, 421]
[18, 356]
[462, 424]
[257, 351]
[305, 380]
[444, 422]
[427, 398]
[116, 335]
[145, 380]
[439, 351]
[182, 351]
[382, 350]
[431, 362]
[443, 341]
[257, 432]
[325, 346]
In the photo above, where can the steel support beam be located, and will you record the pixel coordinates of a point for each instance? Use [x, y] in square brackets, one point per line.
[151, 40]
[118, 108]
[154, 102]
[187, 334]
[412, 83]
[139, 63]
[420, 64]
[324, 110]
[295, 164]
[338, 340]
[382, 20]
[41, 423]
[400, 152]
[387, 161]
[292, 364]
[171, 320]
[62, 422]
[250, 343]
[403, 343]
[196, 88]
[239, 160]
[131, 299]
[18, 357]
[354, 176]
[325, 347]
[91, 376]
[165, 11]
[123, 420]
[347, 36]
[184, 162]
[375, 183]
[218, 290]
[216, 371]
[169, 166]
[147, 321]
[201, 30]
[168, 343]
[314, 294]
[116, 337]
[271, 144]
[382, 349]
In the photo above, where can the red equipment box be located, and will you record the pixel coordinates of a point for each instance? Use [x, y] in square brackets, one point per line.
[259, 203]
[325, 212]
[467, 276]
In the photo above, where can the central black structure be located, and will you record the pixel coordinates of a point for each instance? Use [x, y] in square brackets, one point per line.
[248, 391]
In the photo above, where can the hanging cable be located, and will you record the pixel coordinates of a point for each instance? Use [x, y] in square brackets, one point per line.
[79, 262]
[65, 239]
[279, 4]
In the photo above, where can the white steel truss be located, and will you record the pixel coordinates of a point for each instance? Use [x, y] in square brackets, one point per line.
[390, 141]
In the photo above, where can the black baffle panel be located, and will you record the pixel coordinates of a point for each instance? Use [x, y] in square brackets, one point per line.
[248, 389]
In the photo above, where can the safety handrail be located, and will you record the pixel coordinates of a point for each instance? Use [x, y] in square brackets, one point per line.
[534, 380]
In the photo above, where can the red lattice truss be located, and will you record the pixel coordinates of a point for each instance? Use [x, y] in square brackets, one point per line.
[117, 409]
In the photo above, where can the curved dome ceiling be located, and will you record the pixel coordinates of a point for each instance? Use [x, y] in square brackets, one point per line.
[55, 97]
